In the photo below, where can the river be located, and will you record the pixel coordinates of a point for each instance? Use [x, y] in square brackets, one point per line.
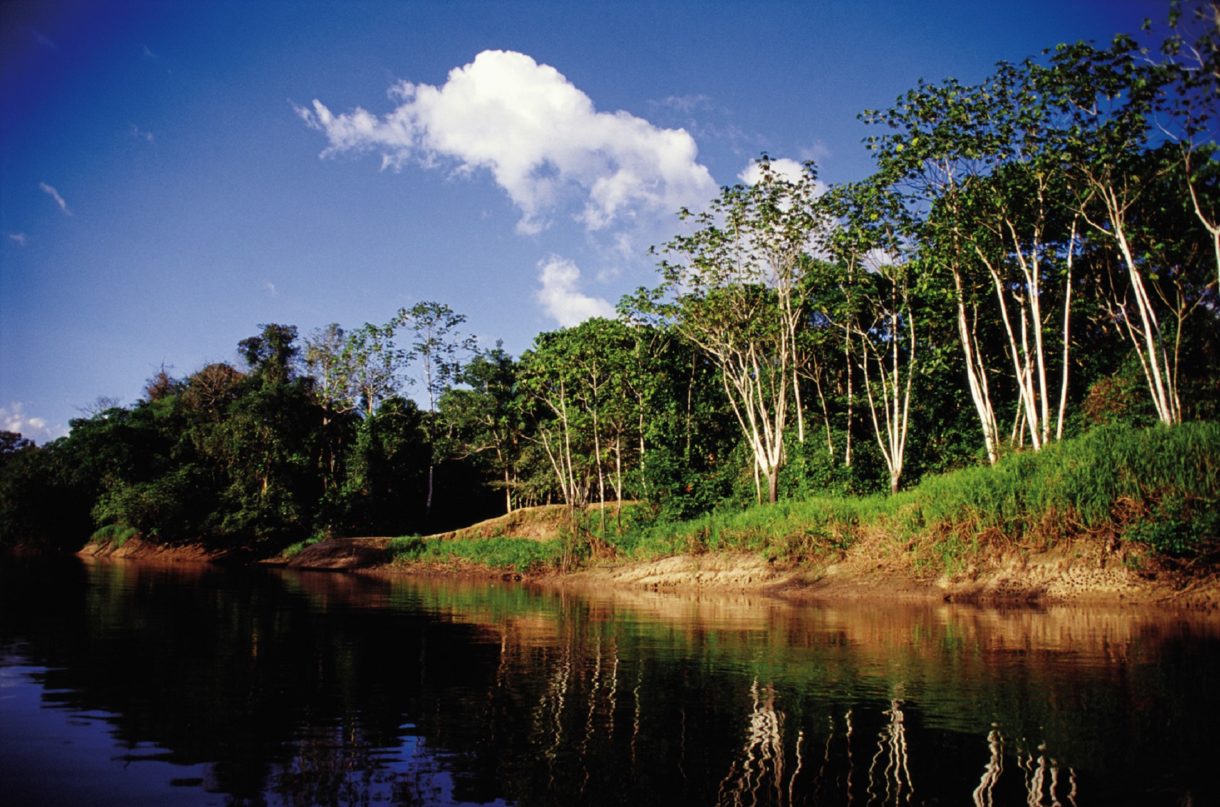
[132, 684]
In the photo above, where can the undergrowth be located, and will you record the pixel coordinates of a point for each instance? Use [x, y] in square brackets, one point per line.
[1157, 486]
[292, 550]
[519, 554]
[114, 534]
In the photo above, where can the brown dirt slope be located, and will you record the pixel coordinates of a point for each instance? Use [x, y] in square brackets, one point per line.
[137, 549]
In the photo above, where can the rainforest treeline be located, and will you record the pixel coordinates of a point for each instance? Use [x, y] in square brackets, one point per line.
[1035, 255]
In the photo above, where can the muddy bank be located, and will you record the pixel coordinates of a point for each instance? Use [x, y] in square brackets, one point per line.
[1079, 572]
[137, 549]
[1076, 572]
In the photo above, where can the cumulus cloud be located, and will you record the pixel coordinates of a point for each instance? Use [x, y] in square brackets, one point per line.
[783, 168]
[540, 138]
[561, 297]
[49, 190]
[14, 419]
[20, 239]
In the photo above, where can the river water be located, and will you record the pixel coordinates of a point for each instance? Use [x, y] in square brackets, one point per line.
[130, 684]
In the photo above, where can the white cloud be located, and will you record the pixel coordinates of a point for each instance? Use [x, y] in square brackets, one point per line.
[561, 297]
[783, 168]
[14, 419]
[817, 151]
[20, 239]
[270, 288]
[142, 134]
[539, 136]
[685, 103]
[49, 190]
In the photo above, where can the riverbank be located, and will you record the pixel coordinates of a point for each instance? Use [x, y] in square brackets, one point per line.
[1081, 572]
[1117, 515]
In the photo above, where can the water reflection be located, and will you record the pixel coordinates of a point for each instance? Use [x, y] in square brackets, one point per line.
[297, 688]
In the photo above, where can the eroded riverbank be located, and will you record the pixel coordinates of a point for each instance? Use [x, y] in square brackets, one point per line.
[1078, 572]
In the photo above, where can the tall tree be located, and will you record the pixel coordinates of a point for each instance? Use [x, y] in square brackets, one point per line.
[437, 349]
[483, 417]
[734, 290]
[1112, 95]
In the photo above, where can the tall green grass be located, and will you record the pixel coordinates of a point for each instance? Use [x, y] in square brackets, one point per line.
[113, 534]
[519, 554]
[1158, 486]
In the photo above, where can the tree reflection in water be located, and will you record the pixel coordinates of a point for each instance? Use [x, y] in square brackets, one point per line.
[329, 689]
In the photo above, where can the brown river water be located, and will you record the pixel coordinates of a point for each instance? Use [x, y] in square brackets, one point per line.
[129, 684]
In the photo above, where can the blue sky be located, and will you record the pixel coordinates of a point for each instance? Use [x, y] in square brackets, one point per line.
[173, 174]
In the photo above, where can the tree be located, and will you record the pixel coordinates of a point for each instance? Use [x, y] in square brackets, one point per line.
[1191, 54]
[436, 351]
[734, 290]
[1111, 96]
[874, 235]
[13, 444]
[272, 355]
[483, 419]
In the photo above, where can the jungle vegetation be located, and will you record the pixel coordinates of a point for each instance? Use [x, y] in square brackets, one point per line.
[1035, 259]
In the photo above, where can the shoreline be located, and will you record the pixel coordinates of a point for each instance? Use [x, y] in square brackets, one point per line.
[1080, 574]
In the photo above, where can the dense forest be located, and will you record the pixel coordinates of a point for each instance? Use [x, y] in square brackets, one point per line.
[1036, 255]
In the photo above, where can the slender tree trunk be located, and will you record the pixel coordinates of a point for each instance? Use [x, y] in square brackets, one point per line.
[1212, 227]
[817, 383]
[508, 493]
[1067, 334]
[976, 373]
[428, 500]
[850, 399]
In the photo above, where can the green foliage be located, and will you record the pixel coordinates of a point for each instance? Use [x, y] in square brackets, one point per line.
[292, 550]
[113, 534]
[1169, 477]
[519, 554]
[1026, 239]
[1180, 525]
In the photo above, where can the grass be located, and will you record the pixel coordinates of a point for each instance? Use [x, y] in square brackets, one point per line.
[520, 554]
[292, 550]
[114, 534]
[1157, 486]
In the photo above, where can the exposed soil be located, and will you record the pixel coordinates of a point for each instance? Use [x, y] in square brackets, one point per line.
[1078, 571]
[137, 549]
[339, 554]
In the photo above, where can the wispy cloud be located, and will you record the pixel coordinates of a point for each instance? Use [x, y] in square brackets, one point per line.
[686, 104]
[20, 239]
[270, 288]
[561, 297]
[817, 151]
[707, 120]
[148, 53]
[539, 136]
[142, 134]
[43, 40]
[49, 190]
[14, 419]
